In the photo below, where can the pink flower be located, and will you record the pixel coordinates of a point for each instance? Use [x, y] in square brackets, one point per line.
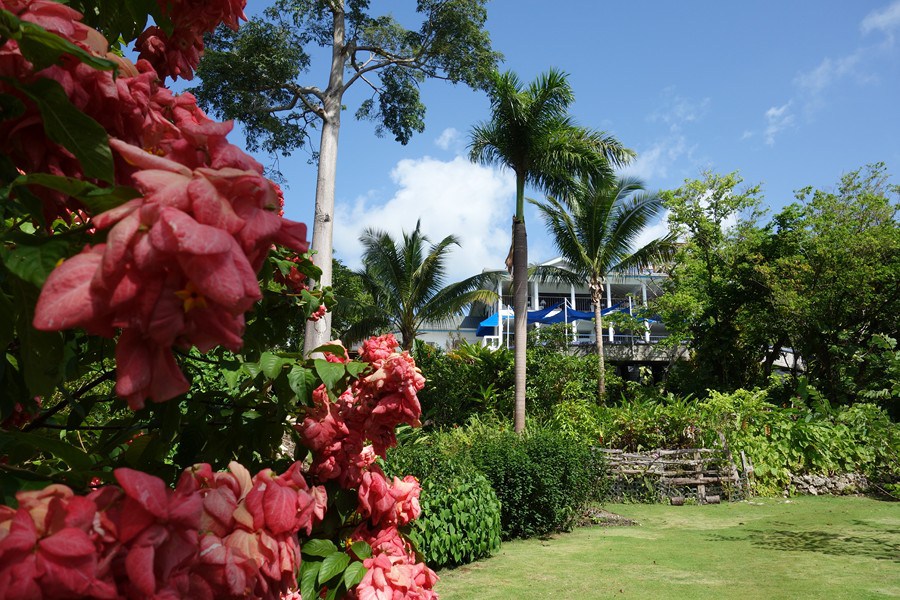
[178, 55]
[392, 571]
[318, 313]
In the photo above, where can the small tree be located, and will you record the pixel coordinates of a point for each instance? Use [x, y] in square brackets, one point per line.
[595, 229]
[405, 280]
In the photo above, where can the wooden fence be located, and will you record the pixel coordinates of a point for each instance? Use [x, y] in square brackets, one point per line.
[705, 474]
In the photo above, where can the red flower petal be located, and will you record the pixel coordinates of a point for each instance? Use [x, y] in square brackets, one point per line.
[67, 543]
[66, 299]
[149, 491]
[177, 232]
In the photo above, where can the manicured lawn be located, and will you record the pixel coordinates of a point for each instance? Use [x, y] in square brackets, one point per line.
[809, 547]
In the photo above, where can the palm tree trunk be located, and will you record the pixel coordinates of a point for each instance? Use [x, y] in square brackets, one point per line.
[520, 306]
[598, 333]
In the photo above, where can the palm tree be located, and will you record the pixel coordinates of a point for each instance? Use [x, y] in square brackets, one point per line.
[532, 134]
[406, 282]
[595, 229]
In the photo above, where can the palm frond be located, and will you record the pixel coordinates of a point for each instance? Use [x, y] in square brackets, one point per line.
[553, 274]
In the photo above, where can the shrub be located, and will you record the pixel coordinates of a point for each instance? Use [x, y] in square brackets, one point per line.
[543, 478]
[460, 519]
[463, 382]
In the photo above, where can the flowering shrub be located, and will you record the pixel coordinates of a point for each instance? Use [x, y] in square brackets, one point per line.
[217, 535]
[127, 214]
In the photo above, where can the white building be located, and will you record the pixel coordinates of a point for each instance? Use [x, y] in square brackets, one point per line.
[627, 292]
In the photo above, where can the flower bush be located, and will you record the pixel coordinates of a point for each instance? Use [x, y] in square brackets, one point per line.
[129, 216]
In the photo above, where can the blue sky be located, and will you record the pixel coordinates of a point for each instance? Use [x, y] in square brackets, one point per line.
[789, 93]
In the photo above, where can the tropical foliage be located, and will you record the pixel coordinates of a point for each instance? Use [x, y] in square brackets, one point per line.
[596, 228]
[819, 279]
[406, 281]
[140, 248]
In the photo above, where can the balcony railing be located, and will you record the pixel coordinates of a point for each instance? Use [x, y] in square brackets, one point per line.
[585, 339]
[582, 303]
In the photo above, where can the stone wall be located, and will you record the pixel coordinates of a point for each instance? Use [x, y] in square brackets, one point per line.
[818, 485]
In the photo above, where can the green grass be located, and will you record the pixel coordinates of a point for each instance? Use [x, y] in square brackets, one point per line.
[808, 547]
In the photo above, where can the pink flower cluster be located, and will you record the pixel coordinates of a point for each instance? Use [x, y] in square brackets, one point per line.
[338, 433]
[369, 410]
[392, 572]
[178, 267]
[179, 54]
[217, 535]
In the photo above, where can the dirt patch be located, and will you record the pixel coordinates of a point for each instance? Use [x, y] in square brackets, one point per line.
[597, 517]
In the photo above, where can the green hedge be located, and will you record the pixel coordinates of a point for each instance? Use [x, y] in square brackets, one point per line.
[543, 478]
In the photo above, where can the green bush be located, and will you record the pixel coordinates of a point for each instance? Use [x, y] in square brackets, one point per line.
[460, 520]
[555, 375]
[810, 437]
[785, 440]
[543, 478]
[463, 382]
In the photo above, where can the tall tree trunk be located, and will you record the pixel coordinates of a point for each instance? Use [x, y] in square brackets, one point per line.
[596, 298]
[520, 301]
[319, 332]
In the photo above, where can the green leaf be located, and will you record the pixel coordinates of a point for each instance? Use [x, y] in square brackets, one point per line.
[74, 457]
[333, 565]
[69, 127]
[336, 349]
[355, 368]
[95, 199]
[10, 107]
[309, 573]
[330, 373]
[32, 258]
[354, 574]
[43, 48]
[231, 378]
[7, 321]
[252, 369]
[302, 382]
[41, 352]
[317, 547]
[271, 364]
[134, 455]
[361, 549]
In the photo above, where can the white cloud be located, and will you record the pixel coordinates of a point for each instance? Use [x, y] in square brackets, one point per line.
[450, 139]
[655, 162]
[860, 66]
[670, 151]
[455, 197]
[653, 232]
[885, 20]
[778, 118]
[828, 72]
[677, 110]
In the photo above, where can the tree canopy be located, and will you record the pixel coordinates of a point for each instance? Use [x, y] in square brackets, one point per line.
[406, 280]
[260, 74]
[819, 282]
